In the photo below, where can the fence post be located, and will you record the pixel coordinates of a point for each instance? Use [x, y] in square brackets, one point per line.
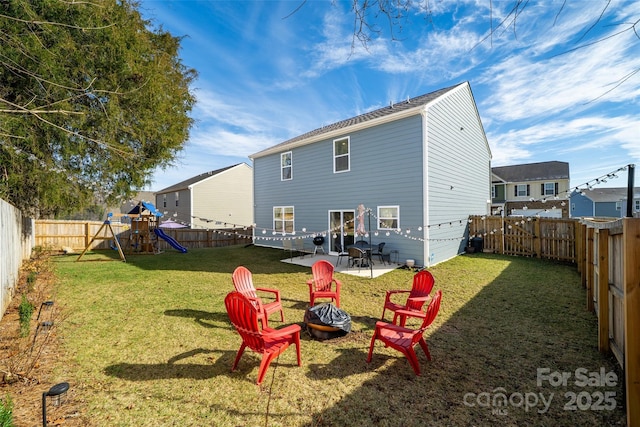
[589, 268]
[537, 238]
[603, 290]
[631, 280]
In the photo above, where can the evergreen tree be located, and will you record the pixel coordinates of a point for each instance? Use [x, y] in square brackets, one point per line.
[92, 100]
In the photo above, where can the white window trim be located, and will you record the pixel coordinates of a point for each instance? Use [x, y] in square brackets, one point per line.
[553, 189]
[284, 221]
[283, 166]
[518, 186]
[348, 155]
[380, 217]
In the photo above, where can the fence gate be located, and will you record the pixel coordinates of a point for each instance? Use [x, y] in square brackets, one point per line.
[550, 238]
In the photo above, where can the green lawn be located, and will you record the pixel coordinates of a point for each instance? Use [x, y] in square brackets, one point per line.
[150, 345]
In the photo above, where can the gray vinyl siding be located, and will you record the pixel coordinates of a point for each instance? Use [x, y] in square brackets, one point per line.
[385, 169]
[388, 163]
[458, 173]
[581, 206]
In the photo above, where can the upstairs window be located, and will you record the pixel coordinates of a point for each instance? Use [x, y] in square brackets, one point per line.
[522, 190]
[388, 217]
[637, 205]
[341, 151]
[283, 219]
[177, 198]
[164, 200]
[493, 192]
[286, 166]
[549, 189]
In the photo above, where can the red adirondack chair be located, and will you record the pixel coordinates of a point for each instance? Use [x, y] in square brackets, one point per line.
[244, 313]
[322, 284]
[243, 282]
[404, 339]
[423, 283]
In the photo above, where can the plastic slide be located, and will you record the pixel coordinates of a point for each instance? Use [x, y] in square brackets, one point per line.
[161, 234]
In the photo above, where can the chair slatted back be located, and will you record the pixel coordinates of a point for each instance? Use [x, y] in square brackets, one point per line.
[423, 283]
[243, 315]
[322, 272]
[432, 310]
[243, 282]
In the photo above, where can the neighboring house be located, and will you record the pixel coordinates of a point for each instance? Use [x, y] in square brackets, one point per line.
[218, 199]
[604, 202]
[419, 167]
[533, 189]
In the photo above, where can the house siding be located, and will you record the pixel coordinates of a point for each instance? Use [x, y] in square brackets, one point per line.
[458, 174]
[385, 169]
[224, 200]
[581, 206]
[411, 162]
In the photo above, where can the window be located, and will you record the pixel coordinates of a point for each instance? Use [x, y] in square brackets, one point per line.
[637, 205]
[522, 190]
[164, 200]
[177, 198]
[549, 188]
[388, 217]
[341, 155]
[493, 191]
[618, 206]
[286, 165]
[283, 219]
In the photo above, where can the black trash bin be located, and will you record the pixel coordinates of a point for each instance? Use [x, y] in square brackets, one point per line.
[326, 321]
[477, 243]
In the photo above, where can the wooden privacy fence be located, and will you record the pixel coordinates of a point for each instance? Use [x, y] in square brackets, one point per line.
[609, 265]
[550, 238]
[76, 235]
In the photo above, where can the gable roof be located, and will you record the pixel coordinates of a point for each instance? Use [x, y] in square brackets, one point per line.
[610, 194]
[184, 185]
[532, 171]
[407, 106]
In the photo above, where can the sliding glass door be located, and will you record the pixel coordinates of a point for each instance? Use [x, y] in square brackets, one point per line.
[342, 228]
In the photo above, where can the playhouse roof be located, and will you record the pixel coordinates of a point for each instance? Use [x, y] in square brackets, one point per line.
[145, 208]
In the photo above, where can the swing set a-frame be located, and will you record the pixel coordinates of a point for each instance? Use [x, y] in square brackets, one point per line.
[102, 234]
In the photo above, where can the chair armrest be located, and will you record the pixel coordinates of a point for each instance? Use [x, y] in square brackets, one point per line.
[411, 313]
[392, 292]
[338, 285]
[425, 298]
[385, 325]
[276, 292]
[287, 330]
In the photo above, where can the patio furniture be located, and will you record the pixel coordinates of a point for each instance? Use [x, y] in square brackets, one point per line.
[270, 343]
[376, 250]
[404, 339]
[422, 285]
[322, 284]
[341, 253]
[243, 282]
[356, 256]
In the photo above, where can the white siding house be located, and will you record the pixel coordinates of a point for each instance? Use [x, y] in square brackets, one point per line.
[419, 167]
[222, 198]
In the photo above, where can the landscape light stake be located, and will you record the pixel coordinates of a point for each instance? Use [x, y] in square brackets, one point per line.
[56, 392]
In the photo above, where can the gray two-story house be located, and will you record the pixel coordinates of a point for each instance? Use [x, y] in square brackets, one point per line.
[418, 168]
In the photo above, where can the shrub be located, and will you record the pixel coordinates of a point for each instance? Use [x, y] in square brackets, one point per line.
[26, 312]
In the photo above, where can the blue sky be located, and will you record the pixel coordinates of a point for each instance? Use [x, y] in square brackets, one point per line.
[267, 75]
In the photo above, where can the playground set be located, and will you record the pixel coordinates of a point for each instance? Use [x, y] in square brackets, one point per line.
[142, 237]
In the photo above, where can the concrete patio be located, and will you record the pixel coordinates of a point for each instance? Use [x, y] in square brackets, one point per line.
[378, 268]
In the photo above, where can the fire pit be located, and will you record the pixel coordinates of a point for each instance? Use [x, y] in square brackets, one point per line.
[326, 321]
